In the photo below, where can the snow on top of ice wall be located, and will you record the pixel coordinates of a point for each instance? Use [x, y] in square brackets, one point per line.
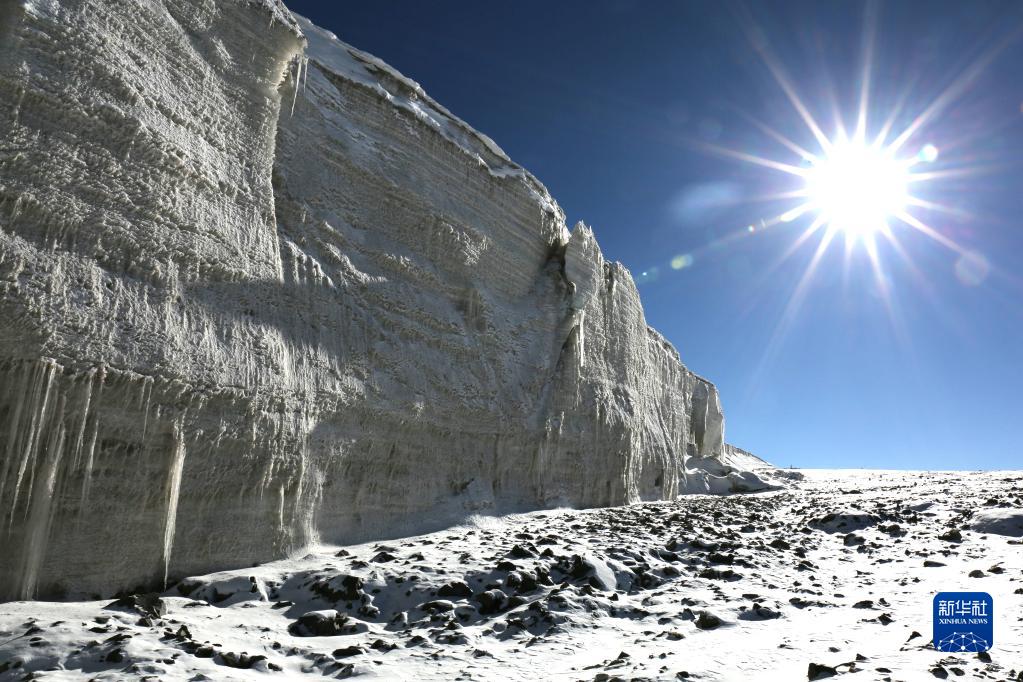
[278, 13]
[324, 48]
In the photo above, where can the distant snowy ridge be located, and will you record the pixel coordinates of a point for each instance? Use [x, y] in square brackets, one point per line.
[259, 290]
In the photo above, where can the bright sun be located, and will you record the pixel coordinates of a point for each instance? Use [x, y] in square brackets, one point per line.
[856, 188]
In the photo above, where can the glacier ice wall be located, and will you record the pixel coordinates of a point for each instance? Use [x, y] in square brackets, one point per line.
[259, 290]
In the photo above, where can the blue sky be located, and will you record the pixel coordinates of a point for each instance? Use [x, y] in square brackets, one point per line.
[618, 106]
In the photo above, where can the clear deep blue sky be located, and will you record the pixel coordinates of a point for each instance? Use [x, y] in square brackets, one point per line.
[611, 104]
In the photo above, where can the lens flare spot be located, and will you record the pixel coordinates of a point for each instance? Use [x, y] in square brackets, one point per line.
[928, 154]
[972, 268]
[681, 262]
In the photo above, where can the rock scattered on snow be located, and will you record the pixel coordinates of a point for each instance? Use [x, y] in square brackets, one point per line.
[543, 610]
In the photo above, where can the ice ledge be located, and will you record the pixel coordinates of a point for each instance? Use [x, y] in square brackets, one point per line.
[330, 53]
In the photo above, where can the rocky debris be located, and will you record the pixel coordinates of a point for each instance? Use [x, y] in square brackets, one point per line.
[844, 522]
[326, 623]
[457, 597]
[240, 660]
[149, 605]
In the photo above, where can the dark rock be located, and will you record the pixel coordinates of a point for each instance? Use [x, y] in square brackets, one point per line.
[708, 621]
[323, 624]
[455, 588]
[186, 587]
[242, 661]
[953, 535]
[352, 585]
[348, 651]
[580, 568]
[515, 602]
[491, 601]
[765, 613]
[438, 605]
[149, 605]
[817, 671]
[520, 552]
[381, 645]
[715, 574]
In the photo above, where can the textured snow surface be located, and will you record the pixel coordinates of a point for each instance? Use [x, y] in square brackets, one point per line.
[258, 291]
[1000, 522]
[719, 588]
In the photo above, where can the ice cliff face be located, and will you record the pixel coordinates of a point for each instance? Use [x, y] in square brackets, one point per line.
[259, 290]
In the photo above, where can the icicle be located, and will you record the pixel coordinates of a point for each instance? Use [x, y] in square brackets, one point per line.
[37, 529]
[145, 398]
[35, 429]
[90, 450]
[173, 491]
[298, 75]
[83, 421]
[280, 510]
[27, 373]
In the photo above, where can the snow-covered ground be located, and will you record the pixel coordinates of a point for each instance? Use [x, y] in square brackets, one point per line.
[834, 574]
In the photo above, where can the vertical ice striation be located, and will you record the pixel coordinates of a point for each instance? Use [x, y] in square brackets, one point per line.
[48, 448]
[257, 288]
[177, 464]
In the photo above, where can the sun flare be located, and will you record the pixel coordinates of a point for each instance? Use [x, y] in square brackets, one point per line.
[874, 184]
[856, 188]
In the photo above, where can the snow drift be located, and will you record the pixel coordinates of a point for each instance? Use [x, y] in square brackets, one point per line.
[258, 289]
